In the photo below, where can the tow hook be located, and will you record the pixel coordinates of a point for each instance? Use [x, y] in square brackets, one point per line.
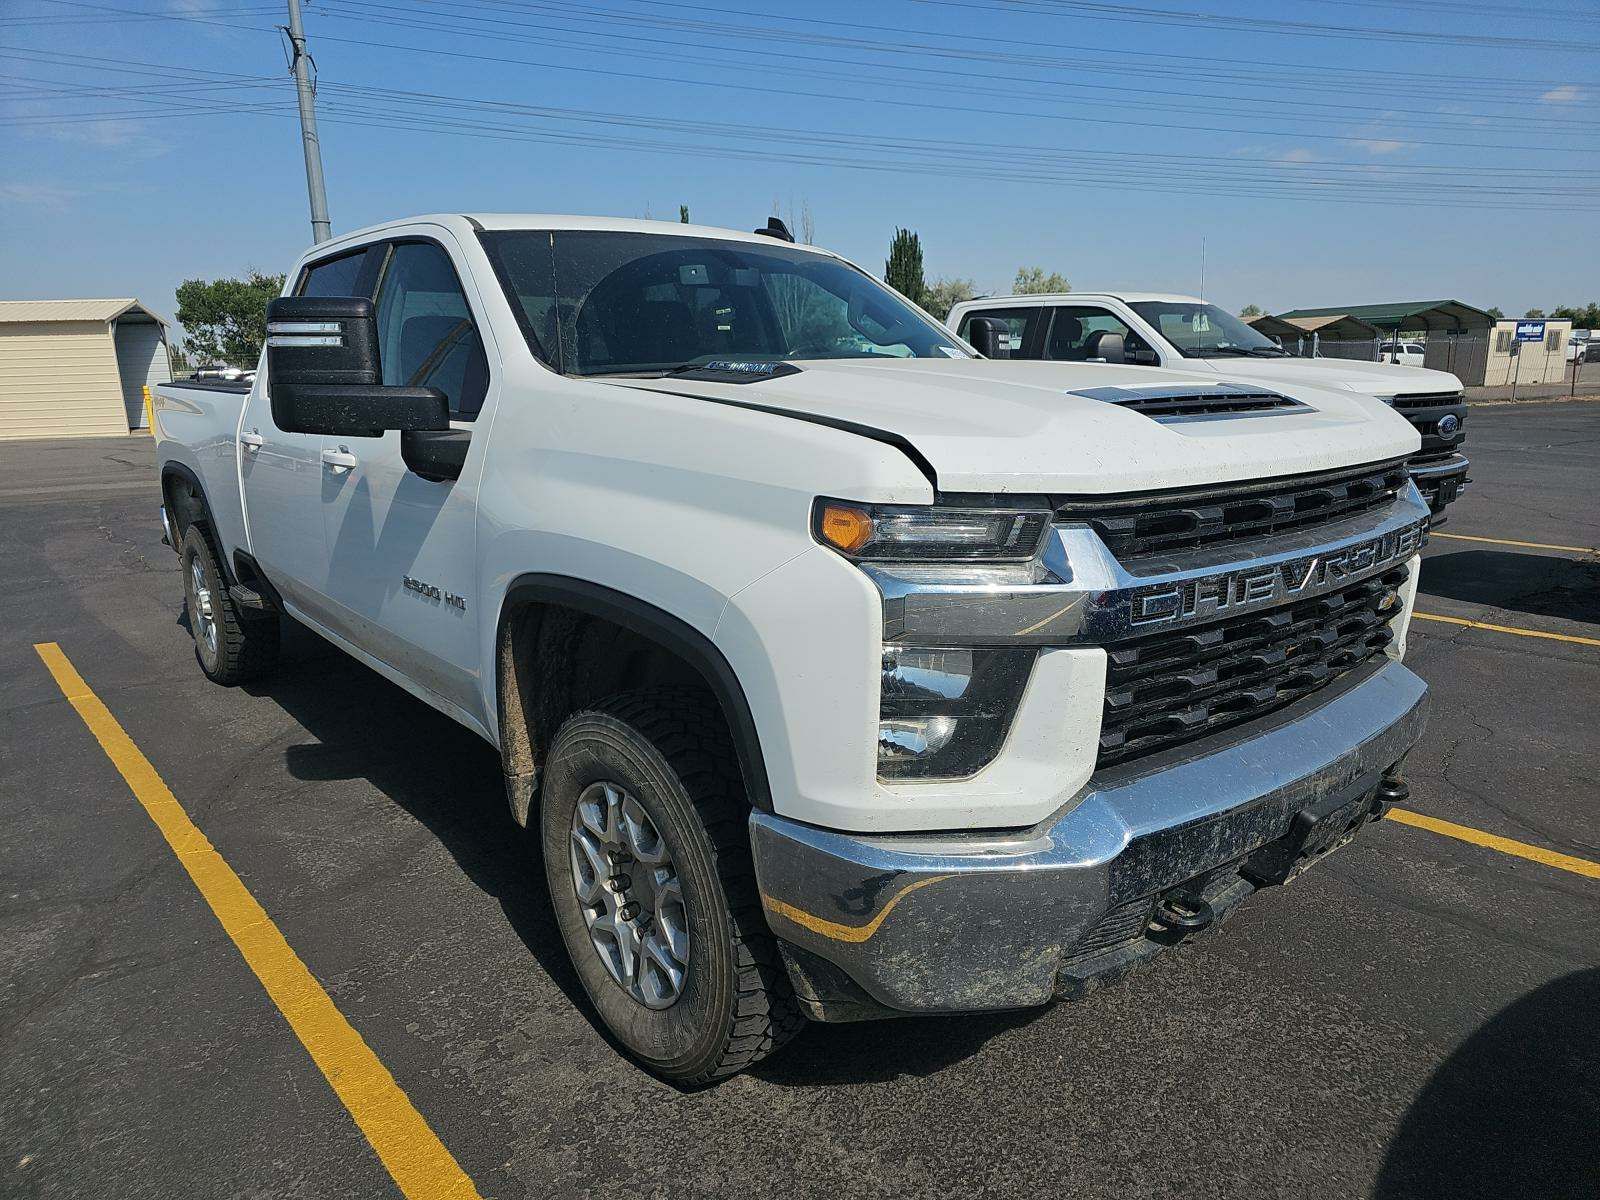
[1182, 911]
[1389, 793]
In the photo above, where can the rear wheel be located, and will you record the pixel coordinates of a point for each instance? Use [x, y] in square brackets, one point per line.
[231, 647]
[647, 853]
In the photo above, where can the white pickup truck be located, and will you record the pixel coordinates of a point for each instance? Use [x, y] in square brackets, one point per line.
[1188, 334]
[836, 672]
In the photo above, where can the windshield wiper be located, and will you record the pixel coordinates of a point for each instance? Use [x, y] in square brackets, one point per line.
[1268, 352]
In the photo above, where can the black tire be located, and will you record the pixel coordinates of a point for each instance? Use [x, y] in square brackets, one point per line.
[230, 646]
[670, 749]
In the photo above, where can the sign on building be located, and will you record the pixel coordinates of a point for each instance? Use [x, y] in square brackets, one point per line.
[1530, 331]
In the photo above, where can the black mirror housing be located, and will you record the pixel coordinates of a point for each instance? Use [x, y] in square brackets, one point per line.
[324, 375]
[985, 334]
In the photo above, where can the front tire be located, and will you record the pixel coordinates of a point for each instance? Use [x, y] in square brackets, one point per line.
[646, 848]
[231, 647]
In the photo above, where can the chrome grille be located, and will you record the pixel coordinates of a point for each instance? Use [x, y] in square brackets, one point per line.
[1186, 518]
[1166, 689]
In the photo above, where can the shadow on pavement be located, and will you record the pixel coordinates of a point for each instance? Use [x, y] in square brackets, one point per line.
[1515, 1111]
[449, 779]
[360, 726]
[1531, 583]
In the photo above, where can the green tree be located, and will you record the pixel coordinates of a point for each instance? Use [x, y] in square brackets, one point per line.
[1496, 313]
[1032, 281]
[903, 271]
[945, 294]
[1251, 310]
[225, 320]
[683, 213]
[1534, 312]
[1587, 317]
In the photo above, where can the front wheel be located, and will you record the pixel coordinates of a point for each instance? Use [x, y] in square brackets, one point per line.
[646, 850]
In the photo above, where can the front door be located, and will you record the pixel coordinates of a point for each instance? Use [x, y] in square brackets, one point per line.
[401, 547]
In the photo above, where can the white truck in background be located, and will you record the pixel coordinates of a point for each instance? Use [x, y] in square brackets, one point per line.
[1184, 333]
[836, 672]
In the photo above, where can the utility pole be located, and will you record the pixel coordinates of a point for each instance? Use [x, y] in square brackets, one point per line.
[321, 231]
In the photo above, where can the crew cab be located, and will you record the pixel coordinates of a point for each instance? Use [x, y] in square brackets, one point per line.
[1188, 334]
[835, 672]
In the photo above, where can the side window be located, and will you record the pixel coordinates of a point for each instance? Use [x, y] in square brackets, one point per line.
[1073, 330]
[333, 276]
[426, 335]
[1020, 322]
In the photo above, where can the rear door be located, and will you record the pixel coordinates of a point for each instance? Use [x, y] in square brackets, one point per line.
[282, 473]
[1073, 327]
[401, 547]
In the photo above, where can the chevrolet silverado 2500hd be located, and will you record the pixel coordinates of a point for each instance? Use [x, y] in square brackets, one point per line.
[1187, 334]
[837, 672]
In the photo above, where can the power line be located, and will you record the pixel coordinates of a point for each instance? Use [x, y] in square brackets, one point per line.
[925, 156]
[1234, 23]
[1187, 95]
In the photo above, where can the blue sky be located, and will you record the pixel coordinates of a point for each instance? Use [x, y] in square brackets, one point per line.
[1460, 145]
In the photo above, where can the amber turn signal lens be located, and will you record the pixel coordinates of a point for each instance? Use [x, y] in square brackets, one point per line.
[847, 528]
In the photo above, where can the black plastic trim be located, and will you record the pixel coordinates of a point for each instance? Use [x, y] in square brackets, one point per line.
[675, 635]
[176, 470]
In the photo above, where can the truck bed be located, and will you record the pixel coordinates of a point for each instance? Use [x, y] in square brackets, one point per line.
[197, 432]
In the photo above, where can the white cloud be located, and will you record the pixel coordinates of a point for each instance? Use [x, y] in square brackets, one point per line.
[1379, 145]
[36, 193]
[1567, 93]
[1298, 155]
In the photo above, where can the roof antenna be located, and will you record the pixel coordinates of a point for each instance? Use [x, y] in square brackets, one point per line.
[776, 229]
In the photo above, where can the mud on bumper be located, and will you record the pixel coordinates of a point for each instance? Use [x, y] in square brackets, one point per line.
[1141, 858]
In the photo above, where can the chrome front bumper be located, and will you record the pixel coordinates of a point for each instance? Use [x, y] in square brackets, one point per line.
[962, 922]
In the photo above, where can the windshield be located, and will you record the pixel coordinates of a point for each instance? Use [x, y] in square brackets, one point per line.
[1204, 330]
[600, 303]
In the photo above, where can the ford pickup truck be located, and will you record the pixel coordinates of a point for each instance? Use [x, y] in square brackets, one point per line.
[835, 672]
[1185, 333]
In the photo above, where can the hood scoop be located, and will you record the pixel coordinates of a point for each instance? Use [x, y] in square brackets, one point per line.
[1191, 402]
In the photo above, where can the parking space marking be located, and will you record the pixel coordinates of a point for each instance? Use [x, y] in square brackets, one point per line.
[1493, 841]
[1467, 537]
[1533, 633]
[414, 1156]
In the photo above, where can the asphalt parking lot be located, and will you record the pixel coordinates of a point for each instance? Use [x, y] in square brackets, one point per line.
[1417, 1017]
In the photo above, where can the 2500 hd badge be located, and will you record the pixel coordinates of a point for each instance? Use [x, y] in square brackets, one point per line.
[1213, 595]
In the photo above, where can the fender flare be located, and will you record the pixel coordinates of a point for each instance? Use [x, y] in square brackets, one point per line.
[673, 633]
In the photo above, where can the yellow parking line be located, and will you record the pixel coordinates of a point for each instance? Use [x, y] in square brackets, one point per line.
[1533, 633]
[415, 1158]
[1465, 833]
[1467, 537]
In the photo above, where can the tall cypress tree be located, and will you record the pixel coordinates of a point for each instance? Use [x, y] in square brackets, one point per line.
[903, 271]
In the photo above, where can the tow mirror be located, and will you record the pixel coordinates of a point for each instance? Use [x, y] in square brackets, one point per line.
[323, 374]
[989, 336]
[1109, 348]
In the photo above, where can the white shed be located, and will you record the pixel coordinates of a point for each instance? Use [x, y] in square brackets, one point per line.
[77, 368]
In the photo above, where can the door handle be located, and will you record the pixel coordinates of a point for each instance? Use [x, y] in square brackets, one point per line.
[252, 441]
[341, 460]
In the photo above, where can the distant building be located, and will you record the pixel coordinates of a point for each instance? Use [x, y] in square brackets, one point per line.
[1300, 334]
[1544, 361]
[77, 368]
[1457, 335]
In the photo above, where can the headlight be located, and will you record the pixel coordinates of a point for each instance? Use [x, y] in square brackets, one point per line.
[943, 714]
[926, 533]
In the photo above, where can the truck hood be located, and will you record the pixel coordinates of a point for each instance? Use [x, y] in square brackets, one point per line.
[997, 426]
[1373, 379]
